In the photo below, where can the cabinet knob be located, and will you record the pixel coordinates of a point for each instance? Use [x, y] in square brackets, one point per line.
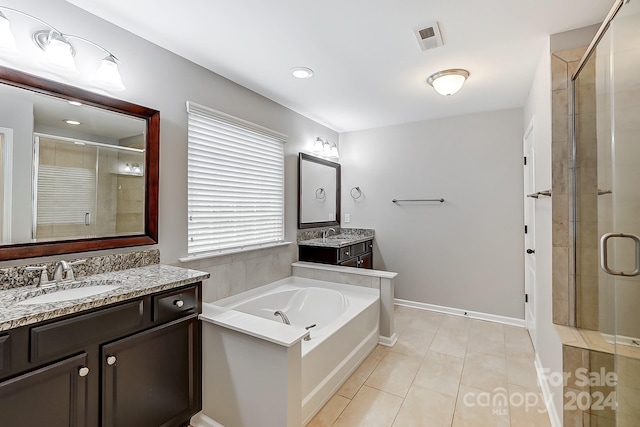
[83, 371]
[178, 303]
[111, 360]
[347, 253]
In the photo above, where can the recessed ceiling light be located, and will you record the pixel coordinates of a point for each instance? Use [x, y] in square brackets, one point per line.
[76, 103]
[72, 122]
[302, 72]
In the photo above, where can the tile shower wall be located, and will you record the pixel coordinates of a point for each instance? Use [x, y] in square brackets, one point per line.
[563, 64]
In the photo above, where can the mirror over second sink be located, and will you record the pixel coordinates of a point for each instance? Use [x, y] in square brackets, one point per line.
[318, 192]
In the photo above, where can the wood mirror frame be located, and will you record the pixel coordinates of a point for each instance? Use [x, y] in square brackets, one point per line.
[40, 85]
[303, 157]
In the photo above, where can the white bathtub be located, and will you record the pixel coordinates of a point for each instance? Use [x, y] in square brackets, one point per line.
[346, 330]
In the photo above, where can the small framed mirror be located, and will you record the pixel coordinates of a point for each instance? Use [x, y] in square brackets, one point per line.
[318, 192]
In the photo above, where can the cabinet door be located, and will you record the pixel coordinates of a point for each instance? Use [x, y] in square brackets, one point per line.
[52, 396]
[152, 378]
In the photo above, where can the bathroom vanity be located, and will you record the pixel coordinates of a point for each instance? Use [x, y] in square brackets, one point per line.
[346, 249]
[128, 357]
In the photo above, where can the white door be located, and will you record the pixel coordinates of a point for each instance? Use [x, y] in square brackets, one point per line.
[529, 236]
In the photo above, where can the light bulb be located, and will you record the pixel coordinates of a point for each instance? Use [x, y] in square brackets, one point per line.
[108, 76]
[59, 54]
[317, 145]
[7, 41]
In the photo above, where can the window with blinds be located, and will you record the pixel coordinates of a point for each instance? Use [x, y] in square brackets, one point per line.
[235, 183]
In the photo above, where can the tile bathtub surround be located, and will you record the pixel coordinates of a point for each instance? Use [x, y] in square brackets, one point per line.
[15, 277]
[134, 282]
[317, 233]
[436, 373]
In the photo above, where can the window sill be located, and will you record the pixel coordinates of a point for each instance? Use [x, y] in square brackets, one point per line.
[232, 251]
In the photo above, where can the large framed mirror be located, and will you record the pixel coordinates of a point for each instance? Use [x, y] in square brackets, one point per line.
[79, 170]
[318, 192]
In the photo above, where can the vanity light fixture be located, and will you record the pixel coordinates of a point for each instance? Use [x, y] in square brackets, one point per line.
[59, 53]
[302, 72]
[325, 148]
[448, 82]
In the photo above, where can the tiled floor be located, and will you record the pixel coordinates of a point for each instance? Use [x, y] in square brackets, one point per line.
[443, 371]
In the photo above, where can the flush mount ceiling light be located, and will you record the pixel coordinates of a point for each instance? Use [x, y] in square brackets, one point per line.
[302, 72]
[72, 122]
[59, 53]
[448, 82]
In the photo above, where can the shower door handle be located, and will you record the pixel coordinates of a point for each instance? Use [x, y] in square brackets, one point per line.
[604, 254]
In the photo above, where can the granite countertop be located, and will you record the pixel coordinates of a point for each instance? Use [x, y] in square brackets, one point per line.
[337, 241]
[134, 282]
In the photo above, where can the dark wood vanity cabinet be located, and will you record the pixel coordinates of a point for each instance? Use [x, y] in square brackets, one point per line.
[359, 255]
[136, 363]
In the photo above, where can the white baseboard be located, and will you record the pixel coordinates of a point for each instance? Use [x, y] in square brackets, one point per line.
[554, 417]
[512, 321]
[388, 341]
[201, 420]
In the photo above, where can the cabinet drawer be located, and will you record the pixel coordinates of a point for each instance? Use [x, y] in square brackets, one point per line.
[174, 304]
[345, 253]
[68, 336]
[5, 354]
[359, 248]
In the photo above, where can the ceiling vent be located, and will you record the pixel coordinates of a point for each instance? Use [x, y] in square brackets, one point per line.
[429, 36]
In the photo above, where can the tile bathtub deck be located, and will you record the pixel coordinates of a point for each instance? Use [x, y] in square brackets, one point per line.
[437, 374]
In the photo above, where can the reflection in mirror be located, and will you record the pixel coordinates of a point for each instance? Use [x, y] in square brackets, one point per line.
[78, 171]
[318, 192]
[87, 189]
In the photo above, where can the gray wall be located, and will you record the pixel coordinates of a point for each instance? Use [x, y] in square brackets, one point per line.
[161, 80]
[463, 253]
[19, 117]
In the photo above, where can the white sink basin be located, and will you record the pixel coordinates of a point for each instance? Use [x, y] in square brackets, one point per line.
[69, 294]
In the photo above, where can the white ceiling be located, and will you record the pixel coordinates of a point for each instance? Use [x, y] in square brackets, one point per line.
[369, 70]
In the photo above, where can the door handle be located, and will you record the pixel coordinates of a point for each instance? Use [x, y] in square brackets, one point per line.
[604, 254]
[531, 251]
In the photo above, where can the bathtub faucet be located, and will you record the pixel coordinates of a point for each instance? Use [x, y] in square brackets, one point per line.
[285, 319]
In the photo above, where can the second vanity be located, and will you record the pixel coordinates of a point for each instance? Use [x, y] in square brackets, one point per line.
[348, 248]
[126, 357]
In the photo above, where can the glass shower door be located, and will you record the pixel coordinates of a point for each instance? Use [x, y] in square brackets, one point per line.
[607, 172]
[625, 172]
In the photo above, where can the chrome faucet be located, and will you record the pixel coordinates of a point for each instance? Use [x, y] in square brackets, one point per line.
[61, 273]
[285, 319]
[325, 233]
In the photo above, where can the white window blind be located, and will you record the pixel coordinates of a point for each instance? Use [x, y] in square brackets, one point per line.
[235, 183]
